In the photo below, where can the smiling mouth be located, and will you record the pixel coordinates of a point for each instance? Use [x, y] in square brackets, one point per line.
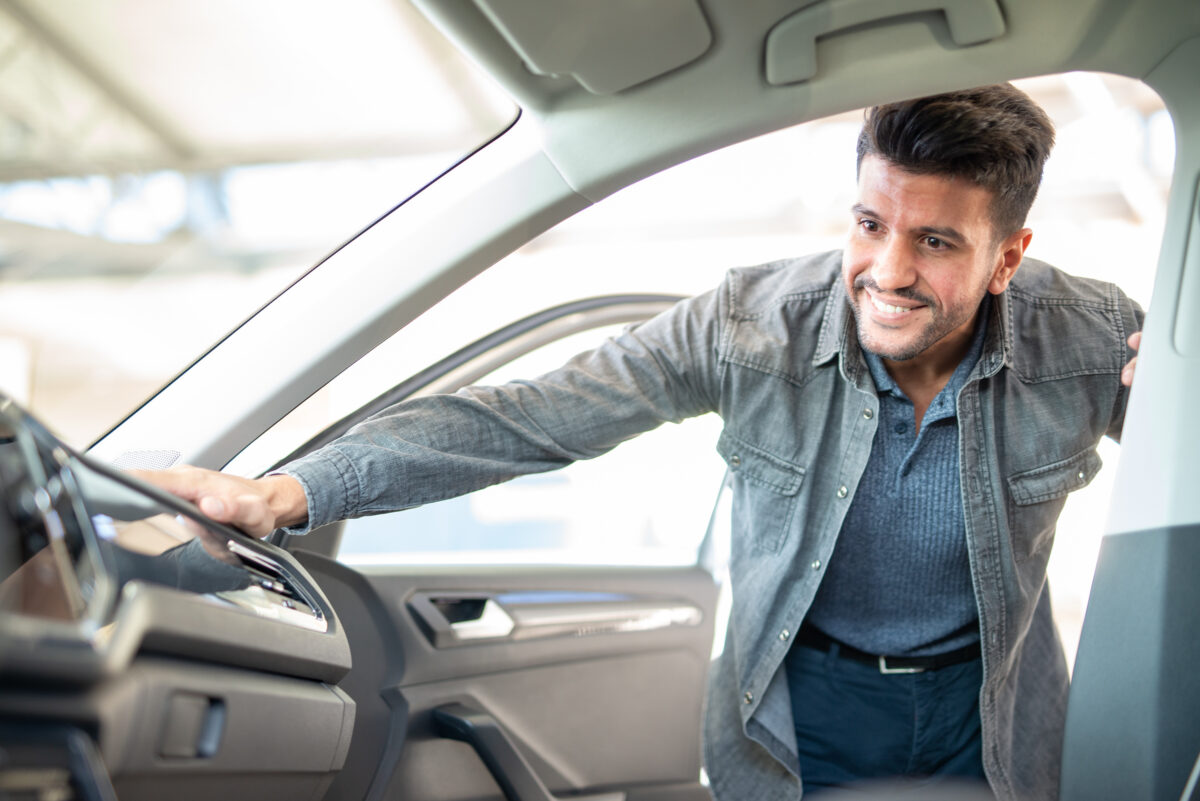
[888, 308]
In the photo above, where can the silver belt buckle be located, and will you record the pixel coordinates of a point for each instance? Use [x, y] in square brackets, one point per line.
[883, 668]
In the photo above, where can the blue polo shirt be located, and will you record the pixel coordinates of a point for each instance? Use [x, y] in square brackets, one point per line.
[899, 579]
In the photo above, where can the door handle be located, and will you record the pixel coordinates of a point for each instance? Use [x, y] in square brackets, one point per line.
[791, 49]
[451, 619]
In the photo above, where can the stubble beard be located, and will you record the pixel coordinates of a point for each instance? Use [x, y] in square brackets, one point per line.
[933, 332]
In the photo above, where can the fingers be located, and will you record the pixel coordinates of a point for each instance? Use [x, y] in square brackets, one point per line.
[177, 481]
[213, 506]
[1127, 372]
[227, 499]
[1135, 342]
[213, 544]
[247, 508]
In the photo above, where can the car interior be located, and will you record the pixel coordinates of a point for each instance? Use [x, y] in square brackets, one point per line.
[147, 652]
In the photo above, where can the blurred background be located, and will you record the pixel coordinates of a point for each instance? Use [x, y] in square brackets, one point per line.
[166, 168]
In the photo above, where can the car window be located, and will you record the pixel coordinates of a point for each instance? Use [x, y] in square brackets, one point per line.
[1099, 213]
[166, 170]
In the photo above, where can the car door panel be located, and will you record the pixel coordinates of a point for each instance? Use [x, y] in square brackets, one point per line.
[623, 659]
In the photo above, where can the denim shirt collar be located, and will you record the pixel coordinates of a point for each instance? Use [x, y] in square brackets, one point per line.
[998, 343]
[834, 324]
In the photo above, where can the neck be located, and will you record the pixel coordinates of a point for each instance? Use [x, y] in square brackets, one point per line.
[934, 366]
[924, 376]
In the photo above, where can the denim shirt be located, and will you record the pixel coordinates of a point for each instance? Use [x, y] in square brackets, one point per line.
[773, 350]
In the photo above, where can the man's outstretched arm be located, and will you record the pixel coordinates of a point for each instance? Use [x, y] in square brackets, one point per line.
[434, 447]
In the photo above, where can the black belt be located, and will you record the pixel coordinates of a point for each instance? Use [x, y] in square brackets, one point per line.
[812, 637]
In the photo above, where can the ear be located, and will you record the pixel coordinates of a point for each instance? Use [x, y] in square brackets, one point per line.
[1012, 250]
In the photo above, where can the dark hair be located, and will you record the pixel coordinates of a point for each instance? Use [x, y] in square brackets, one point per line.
[994, 136]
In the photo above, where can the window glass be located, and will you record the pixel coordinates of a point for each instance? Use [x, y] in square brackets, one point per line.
[167, 168]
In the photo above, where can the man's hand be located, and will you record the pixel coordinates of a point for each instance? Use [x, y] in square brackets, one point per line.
[256, 506]
[1135, 342]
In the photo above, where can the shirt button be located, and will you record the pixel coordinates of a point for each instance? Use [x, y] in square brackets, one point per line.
[899, 428]
[843, 491]
[735, 460]
[1081, 475]
[816, 564]
[783, 635]
[868, 414]
[748, 698]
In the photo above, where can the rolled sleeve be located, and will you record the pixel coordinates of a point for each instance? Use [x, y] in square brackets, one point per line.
[330, 486]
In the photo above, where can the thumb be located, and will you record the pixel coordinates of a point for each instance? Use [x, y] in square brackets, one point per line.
[213, 506]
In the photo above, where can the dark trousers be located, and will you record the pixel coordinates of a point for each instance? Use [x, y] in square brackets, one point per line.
[854, 723]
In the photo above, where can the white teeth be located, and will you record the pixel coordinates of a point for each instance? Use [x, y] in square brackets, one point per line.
[884, 307]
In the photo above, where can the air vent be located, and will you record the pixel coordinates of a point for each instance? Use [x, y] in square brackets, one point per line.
[266, 572]
[272, 592]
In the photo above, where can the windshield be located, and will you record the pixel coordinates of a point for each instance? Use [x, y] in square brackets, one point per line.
[168, 168]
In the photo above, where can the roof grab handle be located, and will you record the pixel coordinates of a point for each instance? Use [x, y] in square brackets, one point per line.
[791, 49]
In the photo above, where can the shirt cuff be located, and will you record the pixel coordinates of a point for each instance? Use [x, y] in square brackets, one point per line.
[330, 486]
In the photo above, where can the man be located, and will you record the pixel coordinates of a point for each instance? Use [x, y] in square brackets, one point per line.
[914, 401]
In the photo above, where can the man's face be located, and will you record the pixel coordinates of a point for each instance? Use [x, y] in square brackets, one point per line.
[919, 260]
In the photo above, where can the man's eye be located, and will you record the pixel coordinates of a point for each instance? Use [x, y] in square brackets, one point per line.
[870, 226]
[934, 243]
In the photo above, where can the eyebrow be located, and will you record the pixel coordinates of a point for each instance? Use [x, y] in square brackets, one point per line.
[930, 230]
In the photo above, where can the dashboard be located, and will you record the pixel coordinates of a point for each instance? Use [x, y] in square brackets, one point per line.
[145, 649]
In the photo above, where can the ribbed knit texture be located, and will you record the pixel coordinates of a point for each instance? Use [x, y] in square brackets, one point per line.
[899, 581]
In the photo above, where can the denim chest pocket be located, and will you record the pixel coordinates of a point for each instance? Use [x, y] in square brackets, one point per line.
[766, 489]
[1037, 497]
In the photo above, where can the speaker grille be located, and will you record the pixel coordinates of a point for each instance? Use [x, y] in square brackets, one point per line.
[146, 460]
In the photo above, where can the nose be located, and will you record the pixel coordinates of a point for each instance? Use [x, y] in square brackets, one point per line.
[892, 267]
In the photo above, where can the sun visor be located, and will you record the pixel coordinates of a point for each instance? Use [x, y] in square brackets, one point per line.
[605, 46]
